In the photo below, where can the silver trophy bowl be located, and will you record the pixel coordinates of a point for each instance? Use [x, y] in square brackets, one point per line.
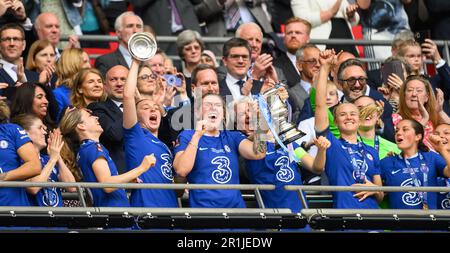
[287, 131]
[142, 46]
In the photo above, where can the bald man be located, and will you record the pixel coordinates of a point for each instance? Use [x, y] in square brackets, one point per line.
[110, 115]
[47, 27]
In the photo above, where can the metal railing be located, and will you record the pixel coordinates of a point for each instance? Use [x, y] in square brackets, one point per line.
[187, 218]
[221, 40]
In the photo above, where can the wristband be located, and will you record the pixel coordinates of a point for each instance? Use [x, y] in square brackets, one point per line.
[299, 153]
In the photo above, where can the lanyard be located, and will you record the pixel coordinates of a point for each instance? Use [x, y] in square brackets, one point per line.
[358, 171]
[424, 169]
[376, 142]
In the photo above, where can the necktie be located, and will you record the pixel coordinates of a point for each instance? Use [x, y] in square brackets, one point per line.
[232, 16]
[175, 13]
[240, 83]
[121, 107]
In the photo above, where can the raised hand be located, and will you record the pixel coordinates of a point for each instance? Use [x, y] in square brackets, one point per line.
[260, 66]
[328, 57]
[430, 50]
[18, 10]
[351, 10]
[423, 112]
[395, 82]
[55, 144]
[200, 127]
[439, 100]
[247, 87]
[21, 71]
[322, 143]
[46, 74]
[148, 161]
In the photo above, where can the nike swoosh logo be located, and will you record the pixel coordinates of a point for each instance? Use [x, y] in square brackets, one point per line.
[203, 149]
[156, 142]
[269, 153]
[395, 171]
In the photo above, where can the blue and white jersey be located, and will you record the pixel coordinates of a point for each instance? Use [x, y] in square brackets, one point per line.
[138, 143]
[88, 153]
[443, 198]
[395, 172]
[277, 169]
[216, 162]
[340, 170]
[12, 137]
[50, 196]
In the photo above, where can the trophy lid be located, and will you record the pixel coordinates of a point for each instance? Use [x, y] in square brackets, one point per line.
[142, 46]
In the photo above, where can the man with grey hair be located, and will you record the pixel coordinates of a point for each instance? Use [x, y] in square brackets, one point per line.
[308, 65]
[253, 34]
[126, 25]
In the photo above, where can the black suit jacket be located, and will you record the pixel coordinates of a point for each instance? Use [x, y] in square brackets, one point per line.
[107, 61]
[297, 97]
[224, 91]
[289, 70]
[32, 77]
[111, 119]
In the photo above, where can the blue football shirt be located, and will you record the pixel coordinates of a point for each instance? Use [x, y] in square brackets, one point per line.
[395, 172]
[12, 137]
[138, 143]
[276, 169]
[88, 153]
[443, 198]
[50, 196]
[216, 162]
[340, 171]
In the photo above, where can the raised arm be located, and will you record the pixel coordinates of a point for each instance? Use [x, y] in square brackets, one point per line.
[246, 151]
[184, 160]
[55, 145]
[314, 164]
[327, 58]
[103, 173]
[31, 165]
[129, 100]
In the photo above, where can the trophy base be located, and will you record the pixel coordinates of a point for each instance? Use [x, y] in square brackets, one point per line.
[289, 137]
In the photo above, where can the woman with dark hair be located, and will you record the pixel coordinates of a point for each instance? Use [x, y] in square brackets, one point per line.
[81, 132]
[19, 160]
[415, 166]
[53, 167]
[36, 99]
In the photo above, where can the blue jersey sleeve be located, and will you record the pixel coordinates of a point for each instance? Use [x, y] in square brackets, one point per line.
[376, 162]
[439, 163]
[384, 165]
[238, 137]
[19, 135]
[183, 140]
[95, 152]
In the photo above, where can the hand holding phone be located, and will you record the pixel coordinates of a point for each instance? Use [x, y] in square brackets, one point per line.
[392, 67]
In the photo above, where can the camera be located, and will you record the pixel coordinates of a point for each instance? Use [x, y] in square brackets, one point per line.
[173, 80]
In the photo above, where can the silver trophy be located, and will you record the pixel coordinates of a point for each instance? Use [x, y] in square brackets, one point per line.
[142, 46]
[286, 131]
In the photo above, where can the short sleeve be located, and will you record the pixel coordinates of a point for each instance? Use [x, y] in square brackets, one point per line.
[96, 151]
[238, 137]
[439, 163]
[20, 136]
[182, 141]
